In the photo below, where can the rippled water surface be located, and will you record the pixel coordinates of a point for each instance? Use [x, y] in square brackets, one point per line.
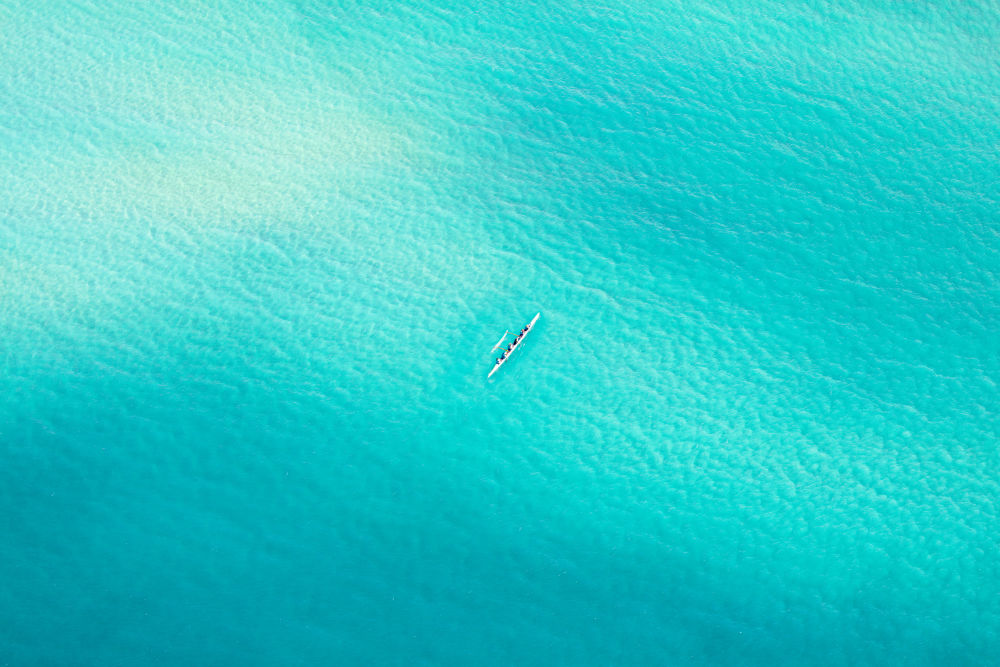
[252, 260]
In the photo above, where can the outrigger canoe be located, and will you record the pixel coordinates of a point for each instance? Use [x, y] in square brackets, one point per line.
[517, 344]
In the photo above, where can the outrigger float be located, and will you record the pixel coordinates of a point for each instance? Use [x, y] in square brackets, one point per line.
[513, 346]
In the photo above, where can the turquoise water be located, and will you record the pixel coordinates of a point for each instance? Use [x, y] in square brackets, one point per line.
[252, 262]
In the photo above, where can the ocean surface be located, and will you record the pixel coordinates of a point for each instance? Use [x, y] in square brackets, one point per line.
[253, 259]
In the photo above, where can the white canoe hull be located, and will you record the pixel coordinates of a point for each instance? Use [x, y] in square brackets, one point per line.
[517, 344]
